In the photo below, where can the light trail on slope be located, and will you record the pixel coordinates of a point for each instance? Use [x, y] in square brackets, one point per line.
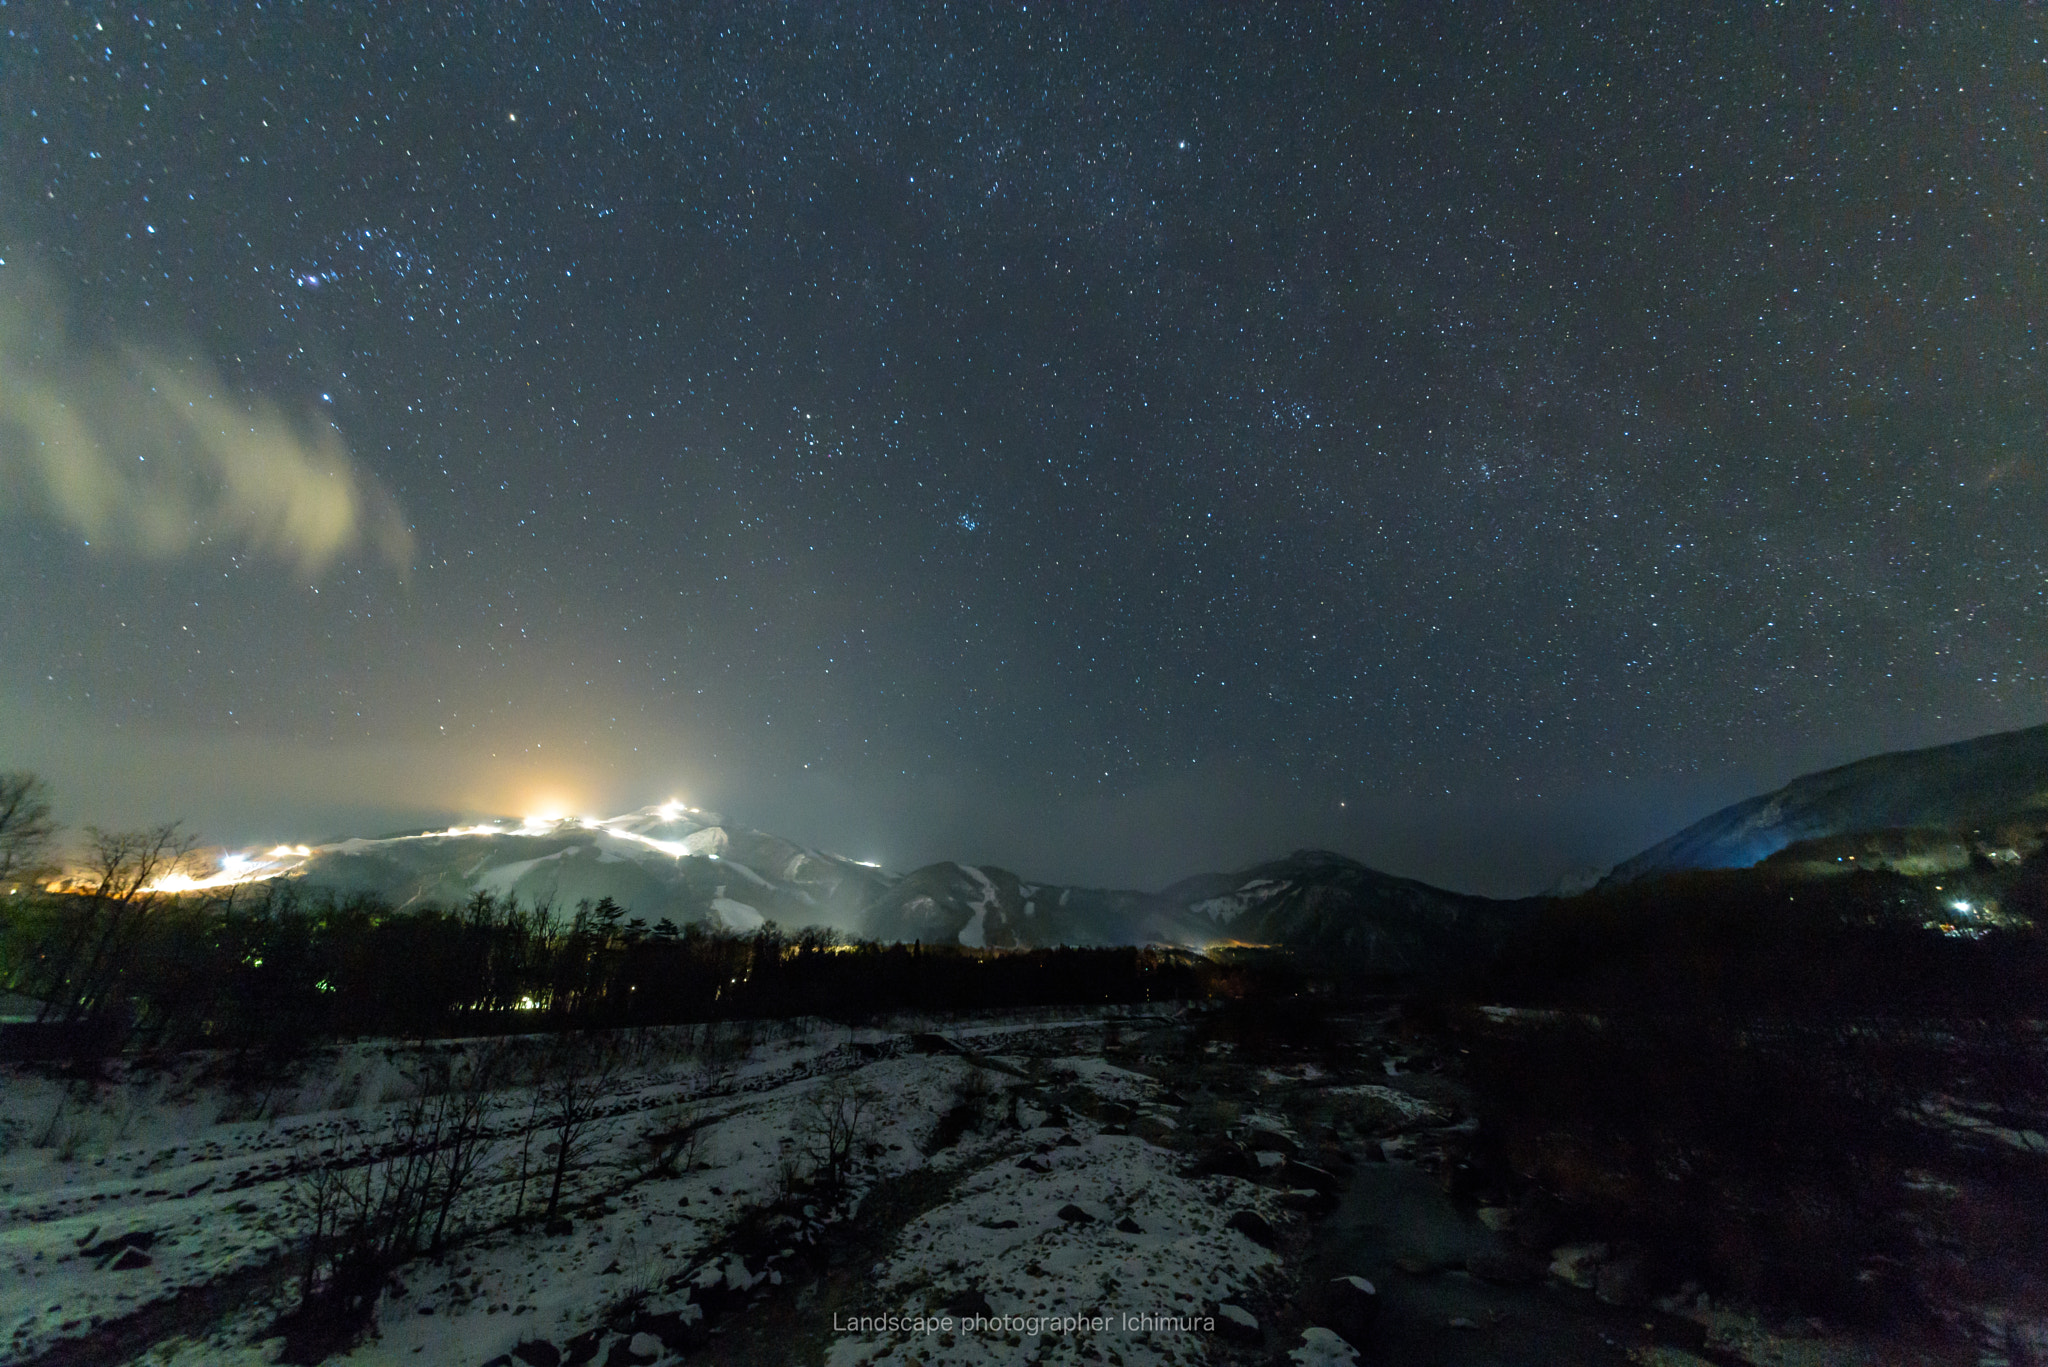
[237, 868]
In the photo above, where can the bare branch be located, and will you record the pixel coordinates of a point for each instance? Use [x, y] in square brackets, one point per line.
[26, 827]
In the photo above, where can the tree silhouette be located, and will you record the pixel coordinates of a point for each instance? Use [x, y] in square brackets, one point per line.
[26, 828]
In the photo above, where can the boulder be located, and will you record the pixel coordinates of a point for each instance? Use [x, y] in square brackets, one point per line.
[1308, 1200]
[1624, 1279]
[1321, 1347]
[636, 1351]
[1351, 1305]
[1129, 1226]
[127, 1243]
[968, 1304]
[1223, 1160]
[1260, 1137]
[582, 1348]
[1253, 1226]
[1235, 1324]
[1577, 1264]
[680, 1331]
[721, 1287]
[537, 1353]
[1308, 1175]
[1074, 1215]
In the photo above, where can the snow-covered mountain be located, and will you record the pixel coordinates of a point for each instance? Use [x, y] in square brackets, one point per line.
[1997, 782]
[668, 863]
[987, 907]
[1335, 910]
[676, 864]
[1322, 905]
[681, 865]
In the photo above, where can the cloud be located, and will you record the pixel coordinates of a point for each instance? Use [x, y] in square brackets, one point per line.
[153, 456]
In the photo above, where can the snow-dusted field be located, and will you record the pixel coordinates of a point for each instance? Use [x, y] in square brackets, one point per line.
[1127, 1188]
[122, 1201]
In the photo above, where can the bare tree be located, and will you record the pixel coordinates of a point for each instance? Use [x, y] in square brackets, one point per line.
[310, 1209]
[572, 1097]
[461, 1131]
[125, 870]
[367, 1205]
[126, 866]
[361, 1208]
[673, 1137]
[26, 828]
[837, 1122]
[525, 1161]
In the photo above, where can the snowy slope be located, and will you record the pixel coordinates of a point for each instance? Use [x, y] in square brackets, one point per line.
[664, 863]
[168, 1177]
[1337, 912]
[676, 864]
[986, 907]
[1992, 780]
[1319, 904]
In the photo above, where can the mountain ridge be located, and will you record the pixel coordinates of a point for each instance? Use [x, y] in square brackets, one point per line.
[685, 866]
[1997, 778]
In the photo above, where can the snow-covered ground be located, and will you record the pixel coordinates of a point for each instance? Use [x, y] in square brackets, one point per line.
[1096, 1245]
[123, 1199]
[1120, 1187]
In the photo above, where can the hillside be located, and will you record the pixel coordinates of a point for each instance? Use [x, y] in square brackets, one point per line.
[689, 867]
[1990, 782]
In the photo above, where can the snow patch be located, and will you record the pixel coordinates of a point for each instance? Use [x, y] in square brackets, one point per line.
[975, 933]
[736, 915]
[501, 879]
[710, 840]
[1233, 904]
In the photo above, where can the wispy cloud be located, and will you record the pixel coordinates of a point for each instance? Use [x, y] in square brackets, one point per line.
[151, 455]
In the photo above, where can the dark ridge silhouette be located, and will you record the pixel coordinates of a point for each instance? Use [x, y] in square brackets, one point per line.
[1994, 780]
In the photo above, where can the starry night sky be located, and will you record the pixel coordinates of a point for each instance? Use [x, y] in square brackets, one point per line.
[1113, 442]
